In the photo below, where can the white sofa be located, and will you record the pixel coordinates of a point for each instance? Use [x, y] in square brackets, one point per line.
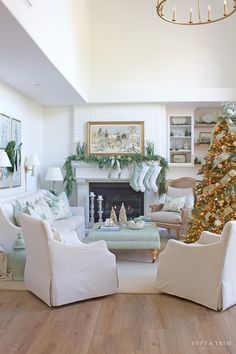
[9, 230]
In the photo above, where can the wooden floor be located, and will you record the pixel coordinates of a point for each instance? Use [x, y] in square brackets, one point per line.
[118, 324]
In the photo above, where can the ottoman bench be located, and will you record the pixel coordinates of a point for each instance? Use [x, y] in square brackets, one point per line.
[146, 238]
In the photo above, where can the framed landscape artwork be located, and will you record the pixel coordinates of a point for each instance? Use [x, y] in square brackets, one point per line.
[5, 130]
[16, 135]
[115, 138]
[179, 158]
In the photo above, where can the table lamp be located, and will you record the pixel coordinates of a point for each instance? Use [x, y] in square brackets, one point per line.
[54, 174]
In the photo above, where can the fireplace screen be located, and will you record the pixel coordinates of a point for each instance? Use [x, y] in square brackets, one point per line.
[114, 194]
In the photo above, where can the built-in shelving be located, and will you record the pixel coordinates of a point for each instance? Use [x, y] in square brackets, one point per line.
[180, 142]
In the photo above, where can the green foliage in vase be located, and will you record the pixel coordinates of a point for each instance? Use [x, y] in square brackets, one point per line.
[111, 163]
[14, 155]
[150, 148]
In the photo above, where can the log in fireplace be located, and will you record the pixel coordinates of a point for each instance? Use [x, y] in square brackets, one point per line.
[114, 194]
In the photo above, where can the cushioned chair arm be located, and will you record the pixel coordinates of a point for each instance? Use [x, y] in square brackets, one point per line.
[156, 207]
[180, 255]
[76, 211]
[209, 237]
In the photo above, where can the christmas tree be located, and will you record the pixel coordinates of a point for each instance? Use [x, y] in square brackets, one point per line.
[122, 215]
[216, 194]
[113, 215]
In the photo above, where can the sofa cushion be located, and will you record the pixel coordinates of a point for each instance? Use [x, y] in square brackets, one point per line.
[68, 225]
[166, 217]
[59, 205]
[182, 192]
[71, 238]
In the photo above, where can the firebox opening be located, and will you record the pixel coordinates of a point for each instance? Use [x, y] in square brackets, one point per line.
[114, 194]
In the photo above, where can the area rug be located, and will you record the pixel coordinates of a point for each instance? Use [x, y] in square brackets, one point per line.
[136, 272]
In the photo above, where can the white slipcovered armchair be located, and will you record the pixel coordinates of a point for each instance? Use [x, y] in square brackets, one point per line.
[204, 272]
[60, 273]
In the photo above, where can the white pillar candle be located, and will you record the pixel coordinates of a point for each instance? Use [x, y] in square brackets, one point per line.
[191, 16]
[225, 8]
[209, 14]
[174, 14]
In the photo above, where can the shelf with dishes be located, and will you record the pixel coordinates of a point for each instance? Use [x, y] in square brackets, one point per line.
[180, 125]
[180, 137]
[204, 125]
[180, 142]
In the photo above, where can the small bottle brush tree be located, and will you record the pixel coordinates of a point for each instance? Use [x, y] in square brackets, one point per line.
[216, 194]
[113, 215]
[122, 215]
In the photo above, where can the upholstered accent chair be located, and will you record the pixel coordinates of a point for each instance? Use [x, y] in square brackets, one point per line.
[60, 273]
[182, 187]
[203, 272]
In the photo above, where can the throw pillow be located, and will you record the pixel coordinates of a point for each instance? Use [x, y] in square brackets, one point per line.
[59, 206]
[20, 207]
[43, 210]
[182, 192]
[173, 204]
[57, 236]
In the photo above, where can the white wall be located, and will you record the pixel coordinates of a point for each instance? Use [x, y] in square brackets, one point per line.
[30, 113]
[61, 30]
[58, 139]
[153, 115]
[137, 57]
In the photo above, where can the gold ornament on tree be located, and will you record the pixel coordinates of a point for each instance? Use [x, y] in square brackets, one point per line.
[122, 215]
[113, 215]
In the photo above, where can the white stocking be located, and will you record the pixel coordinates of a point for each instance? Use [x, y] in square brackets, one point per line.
[153, 178]
[145, 168]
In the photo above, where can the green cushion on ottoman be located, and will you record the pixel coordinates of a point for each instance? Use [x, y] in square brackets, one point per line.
[145, 238]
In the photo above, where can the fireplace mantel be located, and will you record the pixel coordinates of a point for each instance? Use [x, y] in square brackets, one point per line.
[86, 171]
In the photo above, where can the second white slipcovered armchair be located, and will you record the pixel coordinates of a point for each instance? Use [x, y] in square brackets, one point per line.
[60, 273]
[204, 272]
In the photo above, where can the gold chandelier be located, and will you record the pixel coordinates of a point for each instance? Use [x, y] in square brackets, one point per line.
[200, 17]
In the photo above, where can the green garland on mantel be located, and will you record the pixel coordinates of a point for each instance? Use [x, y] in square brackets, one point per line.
[112, 163]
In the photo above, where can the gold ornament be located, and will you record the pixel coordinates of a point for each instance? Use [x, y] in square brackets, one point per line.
[217, 223]
[232, 173]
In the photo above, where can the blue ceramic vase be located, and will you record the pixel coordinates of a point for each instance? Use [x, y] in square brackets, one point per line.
[17, 259]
